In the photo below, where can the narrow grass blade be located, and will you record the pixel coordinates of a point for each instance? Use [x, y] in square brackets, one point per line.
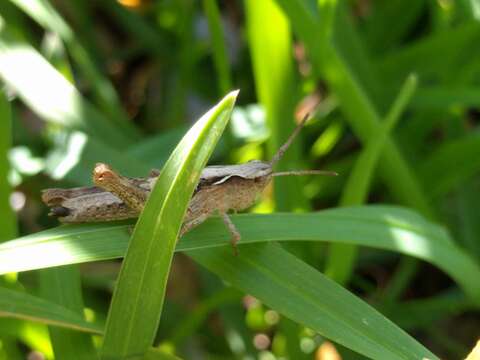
[303, 294]
[219, 49]
[29, 74]
[451, 164]
[383, 227]
[277, 90]
[138, 298]
[420, 313]
[32, 334]
[353, 101]
[431, 56]
[442, 97]
[356, 53]
[380, 41]
[46, 15]
[200, 313]
[146, 35]
[468, 217]
[14, 304]
[62, 286]
[8, 222]
[341, 259]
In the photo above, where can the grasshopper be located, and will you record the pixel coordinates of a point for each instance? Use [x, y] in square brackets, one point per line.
[220, 189]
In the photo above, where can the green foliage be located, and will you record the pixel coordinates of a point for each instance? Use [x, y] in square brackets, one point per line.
[138, 298]
[122, 82]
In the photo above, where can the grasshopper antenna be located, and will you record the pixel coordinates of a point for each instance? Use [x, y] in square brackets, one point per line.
[305, 172]
[289, 141]
[284, 148]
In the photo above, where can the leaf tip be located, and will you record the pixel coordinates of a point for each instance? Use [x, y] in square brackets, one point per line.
[233, 93]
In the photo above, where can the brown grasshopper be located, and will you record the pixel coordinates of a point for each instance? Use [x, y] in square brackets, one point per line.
[220, 189]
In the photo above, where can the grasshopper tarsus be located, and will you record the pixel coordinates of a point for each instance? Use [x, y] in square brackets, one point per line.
[235, 234]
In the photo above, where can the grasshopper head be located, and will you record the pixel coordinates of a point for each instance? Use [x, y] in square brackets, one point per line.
[103, 174]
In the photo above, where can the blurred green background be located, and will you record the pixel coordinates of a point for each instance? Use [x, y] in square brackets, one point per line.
[393, 88]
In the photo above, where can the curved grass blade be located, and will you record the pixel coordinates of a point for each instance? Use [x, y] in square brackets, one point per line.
[327, 59]
[341, 259]
[384, 227]
[303, 294]
[138, 298]
[29, 74]
[14, 304]
[47, 17]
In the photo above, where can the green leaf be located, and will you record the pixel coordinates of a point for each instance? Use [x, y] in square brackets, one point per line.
[146, 35]
[30, 75]
[62, 286]
[219, 48]
[45, 15]
[450, 164]
[138, 298]
[303, 294]
[197, 316]
[14, 304]
[442, 97]
[277, 90]
[8, 222]
[34, 335]
[432, 56]
[341, 260]
[383, 227]
[357, 107]
[381, 17]
[423, 312]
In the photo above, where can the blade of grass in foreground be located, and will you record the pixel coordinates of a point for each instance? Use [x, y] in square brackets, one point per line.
[19, 305]
[8, 223]
[138, 298]
[383, 227]
[303, 294]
